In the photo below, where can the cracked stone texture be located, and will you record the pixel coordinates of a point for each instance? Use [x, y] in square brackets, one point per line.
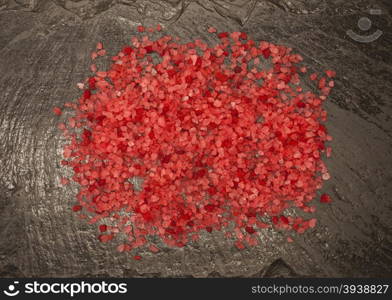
[44, 52]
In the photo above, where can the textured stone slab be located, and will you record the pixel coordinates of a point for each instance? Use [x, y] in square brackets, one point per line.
[44, 52]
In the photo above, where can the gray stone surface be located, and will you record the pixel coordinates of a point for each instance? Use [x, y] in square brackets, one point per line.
[44, 52]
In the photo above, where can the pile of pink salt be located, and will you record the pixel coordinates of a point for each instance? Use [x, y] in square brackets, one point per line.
[215, 137]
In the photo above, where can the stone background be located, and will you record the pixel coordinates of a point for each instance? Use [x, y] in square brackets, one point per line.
[44, 52]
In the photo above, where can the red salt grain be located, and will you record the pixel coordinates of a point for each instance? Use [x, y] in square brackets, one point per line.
[237, 69]
[127, 50]
[104, 238]
[250, 230]
[209, 208]
[322, 83]
[57, 111]
[91, 83]
[191, 144]
[284, 220]
[266, 53]
[137, 257]
[325, 198]
[243, 36]
[239, 245]
[330, 73]
[87, 94]
[313, 76]
[223, 35]
[76, 208]
[103, 228]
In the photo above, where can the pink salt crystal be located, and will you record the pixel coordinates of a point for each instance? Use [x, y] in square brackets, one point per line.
[252, 241]
[93, 68]
[329, 151]
[84, 182]
[104, 238]
[101, 74]
[322, 83]
[159, 27]
[94, 55]
[325, 91]
[312, 223]
[61, 126]
[235, 35]
[99, 46]
[274, 50]
[154, 249]
[101, 52]
[194, 59]
[290, 239]
[219, 52]
[64, 181]
[80, 85]
[67, 153]
[211, 29]
[264, 45]
[161, 121]
[281, 85]
[330, 73]
[71, 122]
[217, 103]
[326, 176]
[313, 76]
